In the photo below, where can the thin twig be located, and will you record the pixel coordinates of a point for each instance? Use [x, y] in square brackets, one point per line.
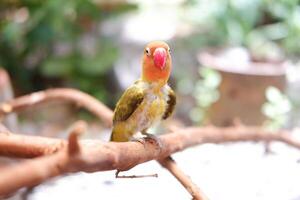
[170, 164]
[173, 168]
[136, 176]
[77, 129]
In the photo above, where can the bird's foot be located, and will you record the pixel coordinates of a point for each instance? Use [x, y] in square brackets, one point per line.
[139, 140]
[153, 139]
[149, 138]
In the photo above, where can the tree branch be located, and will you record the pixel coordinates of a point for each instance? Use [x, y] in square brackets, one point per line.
[94, 155]
[63, 94]
[99, 156]
[171, 165]
[71, 95]
[24, 146]
[76, 130]
[6, 93]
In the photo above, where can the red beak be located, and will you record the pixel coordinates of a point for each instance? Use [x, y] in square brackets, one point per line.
[160, 57]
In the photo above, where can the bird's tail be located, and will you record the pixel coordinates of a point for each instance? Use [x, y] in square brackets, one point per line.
[118, 135]
[112, 136]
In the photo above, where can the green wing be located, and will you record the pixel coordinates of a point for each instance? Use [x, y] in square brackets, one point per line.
[170, 104]
[128, 103]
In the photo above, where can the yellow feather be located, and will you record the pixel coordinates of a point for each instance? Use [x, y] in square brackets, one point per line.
[149, 112]
[146, 102]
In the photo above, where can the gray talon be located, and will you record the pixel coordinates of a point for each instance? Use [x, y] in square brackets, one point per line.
[153, 138]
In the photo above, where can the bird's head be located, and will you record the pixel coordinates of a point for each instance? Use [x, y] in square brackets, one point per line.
[157, 62]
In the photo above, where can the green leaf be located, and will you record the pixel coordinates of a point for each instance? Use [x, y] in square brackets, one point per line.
[273, 94]
[211, 78]
[12, 32]
[269, 110]
[207, 98]
[197, 114]
[56, 67]
[98, 64]
[284, 106]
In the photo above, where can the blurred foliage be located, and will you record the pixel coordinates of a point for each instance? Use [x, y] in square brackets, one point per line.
[45, 43]
[53, 43]
[276, 109]
[205, 92]
[264, 26]
[269, 29]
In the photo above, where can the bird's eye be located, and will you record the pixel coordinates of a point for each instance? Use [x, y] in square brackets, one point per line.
[169, 50]
[147, 51]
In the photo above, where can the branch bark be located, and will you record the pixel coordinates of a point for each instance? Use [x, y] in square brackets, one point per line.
[94, 155]
[71, 95]
[62, 94]
[24, 146]
[171, 165]
[6, 93]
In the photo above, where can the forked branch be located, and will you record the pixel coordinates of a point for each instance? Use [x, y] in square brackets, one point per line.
[94, 155]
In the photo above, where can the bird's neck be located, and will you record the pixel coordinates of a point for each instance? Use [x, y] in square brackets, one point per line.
[155, 76]
[152, 87]
[155, 85]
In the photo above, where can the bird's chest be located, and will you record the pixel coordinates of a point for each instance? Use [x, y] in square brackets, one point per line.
[151, 110]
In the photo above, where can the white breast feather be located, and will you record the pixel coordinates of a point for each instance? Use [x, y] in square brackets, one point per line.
[143, 122]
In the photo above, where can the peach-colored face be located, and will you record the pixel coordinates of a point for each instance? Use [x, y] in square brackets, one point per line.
[157, 62]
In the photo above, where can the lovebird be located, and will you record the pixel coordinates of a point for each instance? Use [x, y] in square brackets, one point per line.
[149, 100]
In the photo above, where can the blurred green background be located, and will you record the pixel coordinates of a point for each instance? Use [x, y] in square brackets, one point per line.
[56, 43]
[95, 45]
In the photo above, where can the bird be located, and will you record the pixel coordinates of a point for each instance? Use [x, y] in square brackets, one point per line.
[149, 100]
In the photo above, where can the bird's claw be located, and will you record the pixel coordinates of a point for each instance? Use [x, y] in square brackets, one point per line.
[149, 138]
[153, 139]
[139, 140]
